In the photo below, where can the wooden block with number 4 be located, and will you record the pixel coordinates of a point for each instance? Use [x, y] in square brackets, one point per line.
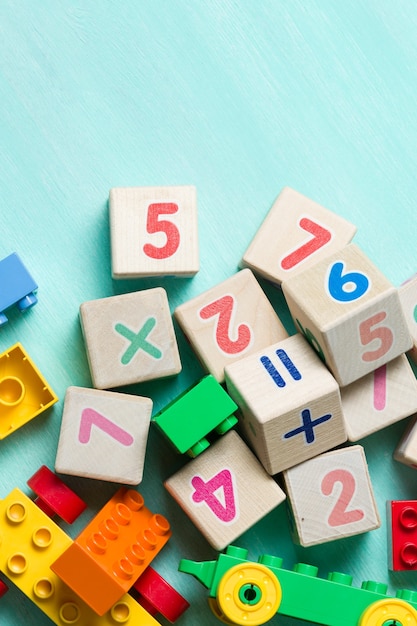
[296, 233]
[225, 490]
[331, 497]
[350, 313]
[153, 231]
[383, 397]
[229, 321]
[103, 435]
[290, 403]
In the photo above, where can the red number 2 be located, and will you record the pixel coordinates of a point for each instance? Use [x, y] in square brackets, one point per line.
[156, 225]
[339, 514]
[223, 307]
[321, 236]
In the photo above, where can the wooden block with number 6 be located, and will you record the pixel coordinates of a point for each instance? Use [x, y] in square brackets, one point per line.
[296, 233]
[153, 231]
[350, 313]
[383, 397]
[229, 321]
[290, 403]
[225, 490]
[331, 497]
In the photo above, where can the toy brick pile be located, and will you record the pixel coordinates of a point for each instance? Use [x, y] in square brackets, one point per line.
[273, 405]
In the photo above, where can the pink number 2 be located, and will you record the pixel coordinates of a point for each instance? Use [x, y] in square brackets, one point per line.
[339, 514]
[223, 307]
[321, 236]
[155, 225]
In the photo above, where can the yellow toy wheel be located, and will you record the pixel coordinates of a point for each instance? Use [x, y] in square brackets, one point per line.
[389, 612]
[215, 609]
[249, 594]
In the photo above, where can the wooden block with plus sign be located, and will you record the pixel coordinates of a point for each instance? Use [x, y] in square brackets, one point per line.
[225, 490]
[296, 233]
[350, 313]
[379, 399]
[408, 297]
[406, 450]
[229, 321]
[153, 231]
[129, 338]
[103, 435]
[289, 403]
[331, 497]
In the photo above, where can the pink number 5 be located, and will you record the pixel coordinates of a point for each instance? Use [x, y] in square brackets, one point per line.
[155, 225]
[223, 307]
[340, 515]
[369, 330]
[321, 236]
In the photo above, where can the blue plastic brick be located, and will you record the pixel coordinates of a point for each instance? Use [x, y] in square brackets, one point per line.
[17, 286]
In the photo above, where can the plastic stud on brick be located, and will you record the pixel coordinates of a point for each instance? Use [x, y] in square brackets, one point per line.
[17, 286]
[54, 496]
[157, 596]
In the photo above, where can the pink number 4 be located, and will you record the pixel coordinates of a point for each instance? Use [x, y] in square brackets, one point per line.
[320, 236]
[340, 515]
[206, 492]
[223, 308]
[156, 225]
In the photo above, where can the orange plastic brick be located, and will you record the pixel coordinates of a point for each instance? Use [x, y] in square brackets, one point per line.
[113, 550]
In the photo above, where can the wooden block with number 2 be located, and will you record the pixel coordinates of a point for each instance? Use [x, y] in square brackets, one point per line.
[331, 497]
[153, 231]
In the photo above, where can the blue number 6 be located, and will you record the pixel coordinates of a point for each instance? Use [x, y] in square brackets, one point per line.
[346, 287]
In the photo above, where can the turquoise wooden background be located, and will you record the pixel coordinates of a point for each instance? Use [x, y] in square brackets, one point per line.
[238, 98]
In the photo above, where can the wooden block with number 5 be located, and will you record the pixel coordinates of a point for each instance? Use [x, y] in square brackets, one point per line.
[296, 233]
[350, 313]
[225, 490]
[383, 397]
[331, 497]
[153, 231]
[229, 321]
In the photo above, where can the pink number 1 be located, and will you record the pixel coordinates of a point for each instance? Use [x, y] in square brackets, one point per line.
[223, 307]
[339, 514]
[321, 236]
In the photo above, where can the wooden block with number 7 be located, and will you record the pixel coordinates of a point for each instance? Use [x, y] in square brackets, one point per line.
[350, 313]
[153, 231]
[229, 321]
[296, 233]
[331, 497]
[225, 490]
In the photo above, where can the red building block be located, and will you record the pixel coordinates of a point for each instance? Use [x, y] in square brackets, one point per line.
[54, 496]
[402, 534]
[113, 550]
[157, 596]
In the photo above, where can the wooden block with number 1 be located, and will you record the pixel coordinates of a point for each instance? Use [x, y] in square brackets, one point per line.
[153, 231]
[331, 497]
[296, 233]
[229, 321]
[225, 490]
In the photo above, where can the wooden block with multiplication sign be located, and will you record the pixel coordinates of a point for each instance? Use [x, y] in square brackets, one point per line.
[129, 338]
[229, 321]
[408, 298]
[331, 497]
[386, 395]
[296, 233]
[103, 435]
[289, 402]
[153, 231]
[225, 490]
[350, 313]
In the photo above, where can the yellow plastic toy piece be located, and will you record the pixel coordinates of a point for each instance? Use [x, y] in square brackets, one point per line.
[248, 594]
[24, 393]
[389, 612]
[30, 542]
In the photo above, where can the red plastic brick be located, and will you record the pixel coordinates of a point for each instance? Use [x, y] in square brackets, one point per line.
[54, 496]
[402, 528]
[157, 596]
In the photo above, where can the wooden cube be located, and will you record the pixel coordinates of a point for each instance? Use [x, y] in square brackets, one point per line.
[386, 395]
[129, 338]
[408, 297]
[225, 490]
[103, 435]
[229, 321]
[153, 231]
[350, 313]
[406, 450]
[296, 233]
[290, 403]
[331, 497]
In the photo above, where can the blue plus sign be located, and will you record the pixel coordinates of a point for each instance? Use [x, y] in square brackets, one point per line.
[308, 426]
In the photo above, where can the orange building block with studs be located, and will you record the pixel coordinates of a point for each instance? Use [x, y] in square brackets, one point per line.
[113, 550]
